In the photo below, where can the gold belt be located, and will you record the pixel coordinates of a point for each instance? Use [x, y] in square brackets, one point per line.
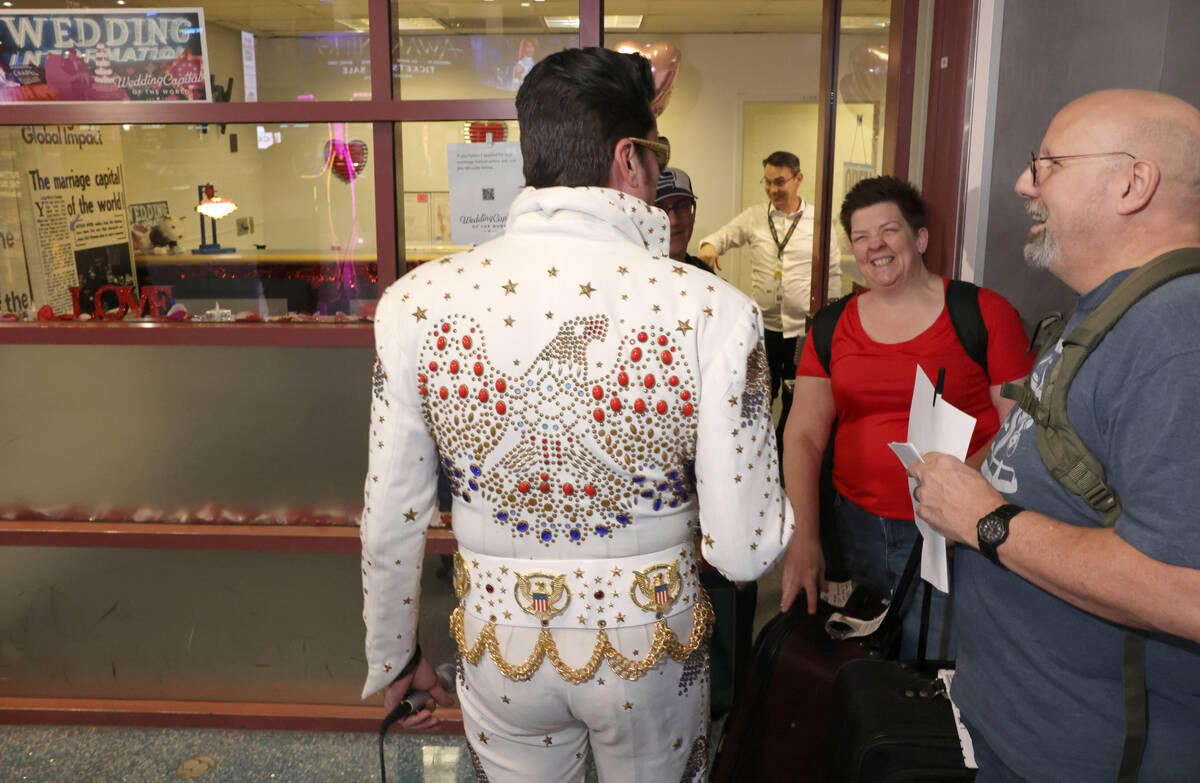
[665, 643]
[580, 595]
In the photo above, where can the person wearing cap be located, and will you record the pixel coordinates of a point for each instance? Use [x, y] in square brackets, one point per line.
[781, 243]
[676, 197]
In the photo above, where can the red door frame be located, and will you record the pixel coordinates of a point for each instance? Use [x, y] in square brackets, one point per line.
[953, 25]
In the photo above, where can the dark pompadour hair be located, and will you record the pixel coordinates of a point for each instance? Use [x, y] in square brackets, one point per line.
[574, 106]
[783, 159]
[877, 190]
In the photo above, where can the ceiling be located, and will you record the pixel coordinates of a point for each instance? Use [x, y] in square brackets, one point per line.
[297, 17]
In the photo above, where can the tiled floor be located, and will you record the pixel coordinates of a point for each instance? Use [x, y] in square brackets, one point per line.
[58, 754]
[88, 754]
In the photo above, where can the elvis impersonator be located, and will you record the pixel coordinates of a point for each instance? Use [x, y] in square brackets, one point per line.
[602, 415]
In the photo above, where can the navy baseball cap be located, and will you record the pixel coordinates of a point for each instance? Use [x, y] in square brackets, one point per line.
[674, 182]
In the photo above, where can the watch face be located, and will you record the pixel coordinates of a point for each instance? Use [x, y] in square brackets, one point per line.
[992, 529]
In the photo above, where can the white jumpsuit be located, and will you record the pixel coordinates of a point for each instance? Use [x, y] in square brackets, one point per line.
[601, 414]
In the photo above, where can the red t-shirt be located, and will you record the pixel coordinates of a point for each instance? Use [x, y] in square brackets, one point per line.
[872, 391]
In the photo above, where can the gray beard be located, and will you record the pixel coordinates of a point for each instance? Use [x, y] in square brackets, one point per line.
[1041, 252]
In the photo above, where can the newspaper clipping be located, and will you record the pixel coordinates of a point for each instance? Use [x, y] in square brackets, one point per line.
[73, 213]
[14, 283]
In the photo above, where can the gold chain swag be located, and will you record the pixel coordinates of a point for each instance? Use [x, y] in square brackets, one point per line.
[665, 643]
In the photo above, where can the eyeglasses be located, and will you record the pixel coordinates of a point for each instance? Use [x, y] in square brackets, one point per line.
[682, 206]
[661, 147]
[1051, 159]
[778, 182]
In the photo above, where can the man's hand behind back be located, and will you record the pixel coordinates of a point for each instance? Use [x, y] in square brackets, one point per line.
[424, 678]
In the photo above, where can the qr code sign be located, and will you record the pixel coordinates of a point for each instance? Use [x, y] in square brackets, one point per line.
[489, 194]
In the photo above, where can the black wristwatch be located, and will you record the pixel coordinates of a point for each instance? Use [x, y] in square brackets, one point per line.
[993, 530]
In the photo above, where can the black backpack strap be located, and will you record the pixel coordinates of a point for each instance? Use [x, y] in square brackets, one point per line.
[823, 325]
[962, 304]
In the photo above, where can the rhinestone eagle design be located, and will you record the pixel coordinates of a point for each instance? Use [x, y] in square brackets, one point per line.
[557, 453]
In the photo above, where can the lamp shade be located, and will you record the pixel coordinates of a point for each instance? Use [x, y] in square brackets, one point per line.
[216, 207]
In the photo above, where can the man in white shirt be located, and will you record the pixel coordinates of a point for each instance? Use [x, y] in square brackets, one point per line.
[562, 377]
[780, 236]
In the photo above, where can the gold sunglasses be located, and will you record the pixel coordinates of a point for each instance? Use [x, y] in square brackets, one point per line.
[660, 147]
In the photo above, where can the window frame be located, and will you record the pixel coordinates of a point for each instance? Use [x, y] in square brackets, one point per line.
[383, 110]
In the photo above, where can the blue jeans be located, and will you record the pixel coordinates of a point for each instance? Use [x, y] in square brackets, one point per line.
[874, 551]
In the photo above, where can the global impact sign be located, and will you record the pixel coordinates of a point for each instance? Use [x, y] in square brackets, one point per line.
[111, 55]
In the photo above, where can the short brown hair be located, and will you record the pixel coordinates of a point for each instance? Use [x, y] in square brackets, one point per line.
[783, 159]
[880, 190]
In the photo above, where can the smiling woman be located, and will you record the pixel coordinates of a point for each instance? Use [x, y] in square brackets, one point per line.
[858, 367]
[889, 252]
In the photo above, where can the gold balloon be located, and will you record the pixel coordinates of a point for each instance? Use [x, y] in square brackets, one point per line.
[664, 60]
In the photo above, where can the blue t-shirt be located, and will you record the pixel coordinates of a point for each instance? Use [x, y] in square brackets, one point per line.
[1038, 677]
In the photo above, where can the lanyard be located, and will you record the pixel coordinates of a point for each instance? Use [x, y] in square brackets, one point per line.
[775, 235]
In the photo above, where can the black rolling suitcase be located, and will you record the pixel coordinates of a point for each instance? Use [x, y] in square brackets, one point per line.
[893, 722]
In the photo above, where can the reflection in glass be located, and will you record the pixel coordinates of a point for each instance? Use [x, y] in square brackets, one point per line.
[858, 145]
[472, 50]
[96, 208]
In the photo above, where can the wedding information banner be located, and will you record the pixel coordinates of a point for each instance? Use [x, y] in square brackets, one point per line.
[83, 55]
[73, 213]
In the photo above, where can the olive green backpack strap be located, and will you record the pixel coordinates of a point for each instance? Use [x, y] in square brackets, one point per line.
[1061, 449]
[1133, 685]
[1045, 335]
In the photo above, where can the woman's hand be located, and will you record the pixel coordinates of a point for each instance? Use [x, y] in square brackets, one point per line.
[803, 569]
[804, 439]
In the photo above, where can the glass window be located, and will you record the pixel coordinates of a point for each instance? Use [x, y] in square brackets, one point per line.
[251, 51]
[236, 221]
[738, 86]
[862, 99]
[476, 49]
[459, 180]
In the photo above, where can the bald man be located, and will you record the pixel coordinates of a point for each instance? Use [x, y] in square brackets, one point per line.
[1043, 617]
